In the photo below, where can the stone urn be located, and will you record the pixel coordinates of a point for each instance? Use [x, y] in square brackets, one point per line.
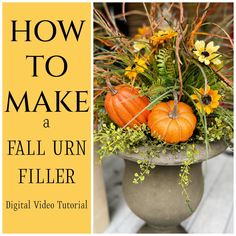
[159, 200]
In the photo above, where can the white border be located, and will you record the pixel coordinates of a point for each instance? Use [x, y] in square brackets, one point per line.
[1, 89]
[91, 85]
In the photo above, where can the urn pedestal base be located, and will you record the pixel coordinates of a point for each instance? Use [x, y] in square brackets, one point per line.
[158, 200]
[149, 229]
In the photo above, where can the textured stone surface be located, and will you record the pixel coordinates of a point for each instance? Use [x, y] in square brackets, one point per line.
[159, 200]
[169, 159]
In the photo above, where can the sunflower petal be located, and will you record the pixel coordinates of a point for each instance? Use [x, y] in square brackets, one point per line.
[214, 104]
[210, 48]
[197, 53]
[213, 56]
[200, 45]
[216, 61]
[138, 46]
[199, 106]
[206, 61]
[208, 109]
[201, 58]
[201, 91]
[194, 97]
[128, 69]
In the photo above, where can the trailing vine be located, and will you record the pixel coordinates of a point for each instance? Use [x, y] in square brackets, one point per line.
[185, 175]
[145, 166]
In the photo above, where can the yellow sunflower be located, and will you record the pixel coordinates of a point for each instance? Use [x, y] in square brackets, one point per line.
[138, 66]
[139, 45]
[161, 36]
[209, 99]
[143, 32]
[207, 53]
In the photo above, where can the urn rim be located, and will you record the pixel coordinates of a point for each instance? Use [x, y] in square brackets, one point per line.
[169, 159]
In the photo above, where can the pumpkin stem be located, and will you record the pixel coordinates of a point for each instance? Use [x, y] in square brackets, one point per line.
[109, 85]
[173, 114]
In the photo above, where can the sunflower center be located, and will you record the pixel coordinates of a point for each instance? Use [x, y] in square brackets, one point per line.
[205, 53]
[206, 99]
[133, 66]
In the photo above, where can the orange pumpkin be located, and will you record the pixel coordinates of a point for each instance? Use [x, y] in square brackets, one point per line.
[172, 122]
[123, 102]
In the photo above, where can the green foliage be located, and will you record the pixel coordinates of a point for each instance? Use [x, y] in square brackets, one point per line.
[191, 75]
[194, 78]
[226, 115]
[159, 96]
[226, 92]
[114, 139]
[166, 66]
[153, 150]
[219, 128]
[212, 78]
[145, 166]
[184, 175]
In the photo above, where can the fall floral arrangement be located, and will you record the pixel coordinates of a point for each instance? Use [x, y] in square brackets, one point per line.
[169, 87]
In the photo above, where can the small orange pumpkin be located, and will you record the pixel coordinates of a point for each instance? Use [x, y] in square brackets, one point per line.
[123, 102]
[172, 122]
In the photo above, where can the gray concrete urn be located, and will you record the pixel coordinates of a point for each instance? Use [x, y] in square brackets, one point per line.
[159, 200]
